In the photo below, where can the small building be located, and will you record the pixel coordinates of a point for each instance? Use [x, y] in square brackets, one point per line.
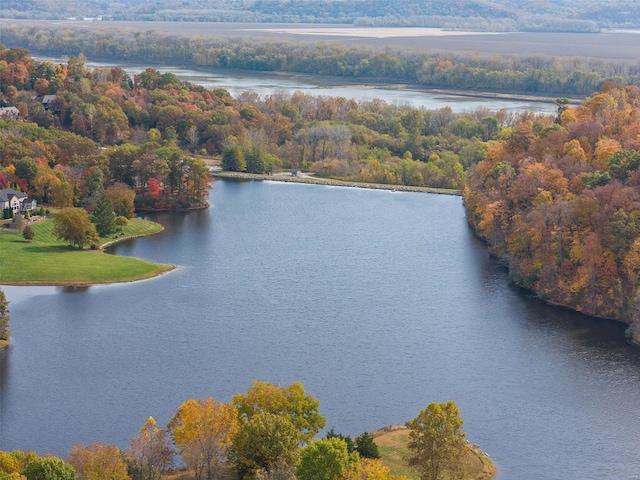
[9, 113]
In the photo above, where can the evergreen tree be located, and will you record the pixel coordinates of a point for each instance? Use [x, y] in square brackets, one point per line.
[366, 447]
[103, 217]
[4, 317]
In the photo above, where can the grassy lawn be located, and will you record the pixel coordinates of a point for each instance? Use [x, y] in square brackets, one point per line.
[48, 261]
[392, 446]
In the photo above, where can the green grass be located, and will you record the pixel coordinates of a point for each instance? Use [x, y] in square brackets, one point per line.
[48, 261]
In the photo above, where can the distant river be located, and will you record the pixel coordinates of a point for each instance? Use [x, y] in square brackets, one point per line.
[265, 84]
[378, 302]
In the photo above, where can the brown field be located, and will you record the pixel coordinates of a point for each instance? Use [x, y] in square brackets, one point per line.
[612, 45]
[392, 444]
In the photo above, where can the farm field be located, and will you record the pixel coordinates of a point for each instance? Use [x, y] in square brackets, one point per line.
[613, 45]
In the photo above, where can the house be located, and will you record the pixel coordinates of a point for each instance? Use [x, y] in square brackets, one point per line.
[28, 205]
[45, 100]
[16, 201]
[9, 112]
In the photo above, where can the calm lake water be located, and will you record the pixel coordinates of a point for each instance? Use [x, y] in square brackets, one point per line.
[265, 84]
[378, 302]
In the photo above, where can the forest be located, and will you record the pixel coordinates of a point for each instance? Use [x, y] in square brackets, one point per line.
[560, 205]
[488, 15]
[520, 74]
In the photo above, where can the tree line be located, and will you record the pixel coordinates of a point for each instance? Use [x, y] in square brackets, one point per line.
[495, 15]
[533, 74]
[559, 203]
[267, 434]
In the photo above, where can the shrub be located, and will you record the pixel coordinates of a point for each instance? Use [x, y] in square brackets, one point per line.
[28, 233]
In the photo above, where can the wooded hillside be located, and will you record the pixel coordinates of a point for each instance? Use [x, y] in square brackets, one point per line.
[560, 204]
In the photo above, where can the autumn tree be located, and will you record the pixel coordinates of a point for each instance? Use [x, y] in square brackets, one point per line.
[371, 469]
[301, 408]
[122, 198]
[98, 461]
[150, 452]
[326, 459]
[4, 317]
[73, 225]
[202, 431]
[436, 441]
[264, 441]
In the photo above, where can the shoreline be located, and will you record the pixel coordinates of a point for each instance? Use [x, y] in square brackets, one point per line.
[334, 183]
[334, 81]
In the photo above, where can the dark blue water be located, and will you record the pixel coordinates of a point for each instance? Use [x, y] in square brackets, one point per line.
[378, 302]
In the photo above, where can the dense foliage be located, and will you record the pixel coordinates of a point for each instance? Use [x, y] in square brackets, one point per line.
[105, 133]
[533, 74]
[546, 15]
[560, 203]
[91, 144]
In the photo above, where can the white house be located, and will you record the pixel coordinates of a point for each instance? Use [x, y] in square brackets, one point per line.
[9, 112]
[16, 201]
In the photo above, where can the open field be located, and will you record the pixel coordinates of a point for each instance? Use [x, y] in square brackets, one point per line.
[613, 45]
[392, 444]
[48, 261]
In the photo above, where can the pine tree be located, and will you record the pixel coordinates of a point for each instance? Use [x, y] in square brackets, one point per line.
[103, 217]
[4, 317]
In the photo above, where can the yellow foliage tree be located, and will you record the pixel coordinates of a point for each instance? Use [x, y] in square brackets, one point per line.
[301, 408]
[202, 431]
[98, 461]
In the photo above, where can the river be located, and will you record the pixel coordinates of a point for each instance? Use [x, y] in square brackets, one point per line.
[378, 302]
[267, 84]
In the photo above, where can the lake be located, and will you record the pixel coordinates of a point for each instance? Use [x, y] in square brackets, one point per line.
[266, 84]
[379, 302]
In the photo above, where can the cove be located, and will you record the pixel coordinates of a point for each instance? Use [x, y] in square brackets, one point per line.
[378, 302]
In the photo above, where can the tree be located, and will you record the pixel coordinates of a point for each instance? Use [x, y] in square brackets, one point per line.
[150, 452]
[347, 439]
[103, 218]
[50, 468]
[436, 441]
[366, 447]
[202, 431]
[371, 469]
[264, 441]
[233, 159]
[98, 461]
[292, 401]
[26, 168]
[4, 317]
[28, 233]
[326, 459]
[74, 226]
[121, 197]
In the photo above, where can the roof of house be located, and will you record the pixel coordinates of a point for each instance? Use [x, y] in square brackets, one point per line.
[7, 193]
[4, 111]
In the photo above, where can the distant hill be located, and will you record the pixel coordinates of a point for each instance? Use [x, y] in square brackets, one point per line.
[487, 15]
